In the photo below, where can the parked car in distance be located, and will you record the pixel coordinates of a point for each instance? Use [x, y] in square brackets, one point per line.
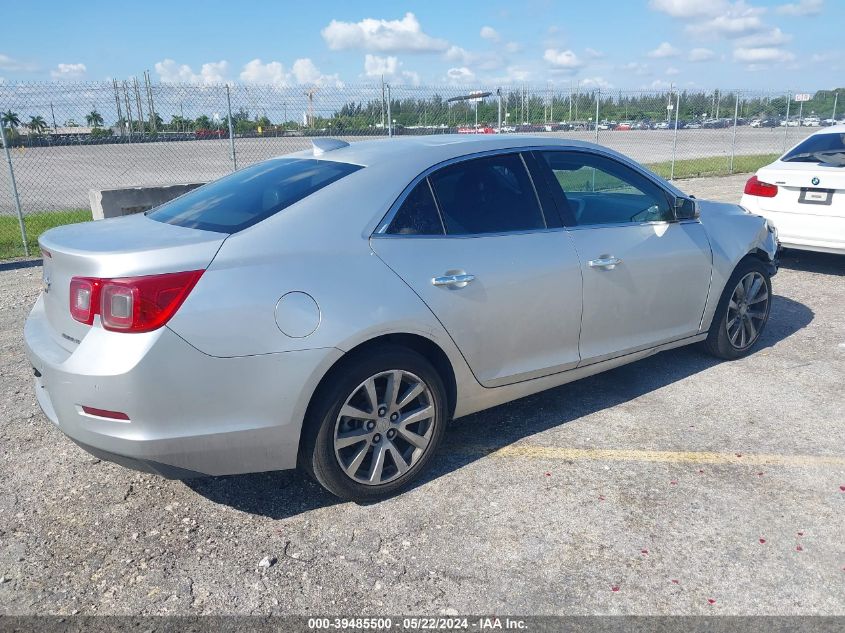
[812, 121]
[803, 193]
[327, 309]
[661, 125]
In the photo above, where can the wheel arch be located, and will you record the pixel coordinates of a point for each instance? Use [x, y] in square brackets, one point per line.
[427, 348]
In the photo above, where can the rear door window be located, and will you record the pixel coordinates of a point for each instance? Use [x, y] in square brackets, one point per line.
[487, 195]
[251, 195]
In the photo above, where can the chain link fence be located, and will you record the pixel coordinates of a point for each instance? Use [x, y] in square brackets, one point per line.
[62, 139]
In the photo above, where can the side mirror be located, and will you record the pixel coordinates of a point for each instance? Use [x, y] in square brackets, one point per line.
[686, 209]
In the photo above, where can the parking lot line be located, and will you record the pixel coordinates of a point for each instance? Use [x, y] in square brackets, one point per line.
[694, 457]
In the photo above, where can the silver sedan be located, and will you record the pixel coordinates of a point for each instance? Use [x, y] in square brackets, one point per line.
[334, 308]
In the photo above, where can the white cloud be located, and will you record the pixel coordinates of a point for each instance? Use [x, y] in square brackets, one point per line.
[390, 68]
[459, 75]
[210, 73]
[513, 47]
[762, 55]
[566, 60]
[736, 20]
[382, 36]
[68, 71]
[802, 7]
[595, 82]
[593, 53]
[700, 55]
[637, 68]
[484, 61]
[305, 72]
[773, 37]
[13, 65]
[687, 8]
[664, 50]
[257, 72]
[659, 84]
[672, 71]
[489, 33]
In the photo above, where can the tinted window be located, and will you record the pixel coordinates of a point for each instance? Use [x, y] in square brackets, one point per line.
[487, 195]
[250, 195]
[601, 190]
[418, 214]
[829, 148]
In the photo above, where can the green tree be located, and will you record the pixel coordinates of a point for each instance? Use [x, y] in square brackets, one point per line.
[10, 119]
[37, 125]
[94, 119]
[202, 122]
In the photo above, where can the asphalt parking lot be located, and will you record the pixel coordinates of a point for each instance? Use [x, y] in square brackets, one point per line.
[675, 485]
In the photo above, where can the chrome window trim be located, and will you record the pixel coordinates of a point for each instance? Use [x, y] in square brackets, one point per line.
[381, 228]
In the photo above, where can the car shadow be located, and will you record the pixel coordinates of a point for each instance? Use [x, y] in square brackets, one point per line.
[811, 262]
[283, 494]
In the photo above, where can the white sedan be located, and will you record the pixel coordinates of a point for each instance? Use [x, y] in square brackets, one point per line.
[803, 193]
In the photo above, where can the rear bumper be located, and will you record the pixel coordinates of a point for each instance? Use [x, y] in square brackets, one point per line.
[803, 229]
[189, 413]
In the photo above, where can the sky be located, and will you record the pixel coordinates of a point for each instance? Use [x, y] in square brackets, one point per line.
[607, 44]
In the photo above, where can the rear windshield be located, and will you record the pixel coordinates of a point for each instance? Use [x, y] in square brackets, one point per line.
[250, 195]
[818, 148]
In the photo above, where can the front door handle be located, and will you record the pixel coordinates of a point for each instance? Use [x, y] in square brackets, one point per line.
[453, 281]
[608, 262]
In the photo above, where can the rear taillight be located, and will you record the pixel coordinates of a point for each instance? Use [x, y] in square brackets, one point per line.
[131, 304]
[755, 187]
[84, 295]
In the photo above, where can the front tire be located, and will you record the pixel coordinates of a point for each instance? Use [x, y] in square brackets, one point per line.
[375, 424]
[743, 311]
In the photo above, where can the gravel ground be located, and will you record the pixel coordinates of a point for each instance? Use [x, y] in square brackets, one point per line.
[554, 504]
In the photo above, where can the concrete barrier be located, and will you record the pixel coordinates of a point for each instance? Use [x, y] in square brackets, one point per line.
[113, 203]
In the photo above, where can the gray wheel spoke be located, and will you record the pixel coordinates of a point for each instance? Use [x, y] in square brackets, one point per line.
[370, 389]
[377, 465]
[732, 304]
[754, 289]
[413, 438]
[762, 295]
[355, 464]
[354, 412]
[401, 465]
[752, 331]
[731, 322]
[351, 438]
[756, 315]
[394, 381]
[415, 391]
[415, 416]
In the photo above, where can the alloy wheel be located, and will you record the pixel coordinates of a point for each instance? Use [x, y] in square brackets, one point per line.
[384, 427]
[748, 309]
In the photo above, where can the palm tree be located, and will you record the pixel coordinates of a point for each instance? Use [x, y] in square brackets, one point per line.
[94, 119]
[37, 125]
[10, 119]
[202, 122]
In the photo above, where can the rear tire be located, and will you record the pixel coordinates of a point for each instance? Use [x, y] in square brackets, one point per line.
[743, 311]
[362, 450]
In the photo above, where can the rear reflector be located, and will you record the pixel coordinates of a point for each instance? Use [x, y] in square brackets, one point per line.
[755, 187]
[105, 413]
[131, 304]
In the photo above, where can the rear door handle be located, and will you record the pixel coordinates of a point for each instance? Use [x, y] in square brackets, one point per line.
[608, 262]
[453, 281]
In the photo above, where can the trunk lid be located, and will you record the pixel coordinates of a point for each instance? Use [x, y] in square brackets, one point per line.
[123, 247]
[792, 178]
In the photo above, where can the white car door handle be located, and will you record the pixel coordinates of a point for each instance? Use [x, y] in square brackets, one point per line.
[453, 281]
[608, 262]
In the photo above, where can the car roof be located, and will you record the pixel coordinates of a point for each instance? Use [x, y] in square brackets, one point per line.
[425, 151]
[839, 128]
